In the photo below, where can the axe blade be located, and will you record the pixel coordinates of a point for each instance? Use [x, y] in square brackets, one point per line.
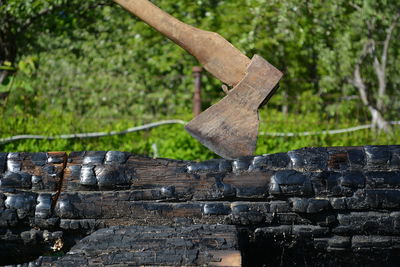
[230, 127]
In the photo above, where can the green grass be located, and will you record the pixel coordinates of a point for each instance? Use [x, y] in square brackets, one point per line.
[172, 141]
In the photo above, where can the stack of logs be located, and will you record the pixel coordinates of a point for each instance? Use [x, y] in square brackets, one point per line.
[312, 206]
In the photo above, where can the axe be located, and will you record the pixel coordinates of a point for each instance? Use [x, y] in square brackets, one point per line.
[229, 127]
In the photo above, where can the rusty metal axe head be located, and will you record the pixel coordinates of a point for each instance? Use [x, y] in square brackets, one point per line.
[230, 127]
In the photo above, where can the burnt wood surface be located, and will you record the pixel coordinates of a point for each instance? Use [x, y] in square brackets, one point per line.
[205, 245]
[312, 206]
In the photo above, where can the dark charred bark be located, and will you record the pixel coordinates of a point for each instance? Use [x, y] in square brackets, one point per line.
[313, 206]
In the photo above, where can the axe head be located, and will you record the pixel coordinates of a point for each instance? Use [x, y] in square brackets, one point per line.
[230, 127]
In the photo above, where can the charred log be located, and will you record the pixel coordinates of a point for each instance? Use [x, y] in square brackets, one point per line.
[313, 206]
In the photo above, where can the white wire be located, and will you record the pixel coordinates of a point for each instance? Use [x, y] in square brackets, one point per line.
[90, 135]
[156, 124]
[338, 131]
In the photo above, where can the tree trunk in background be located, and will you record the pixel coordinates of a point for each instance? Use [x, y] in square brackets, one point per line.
[377, 117]
[8, 52]
[285, 102]
[380, 65]
[376, 110]
[197, 90]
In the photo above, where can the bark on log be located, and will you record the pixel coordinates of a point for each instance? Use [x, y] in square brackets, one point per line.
[314, 206]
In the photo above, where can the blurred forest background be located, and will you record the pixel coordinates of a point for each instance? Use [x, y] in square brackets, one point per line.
[69, 66]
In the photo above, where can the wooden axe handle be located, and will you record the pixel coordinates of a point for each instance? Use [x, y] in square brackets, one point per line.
[216, 54]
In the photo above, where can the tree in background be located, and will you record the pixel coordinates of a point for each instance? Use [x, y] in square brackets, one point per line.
[365, 57]
[316, 44]
[22, 23]
[377, 48]
[105, 66]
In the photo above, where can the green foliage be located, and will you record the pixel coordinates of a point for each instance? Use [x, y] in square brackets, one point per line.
[89, 66]
[275, 122]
